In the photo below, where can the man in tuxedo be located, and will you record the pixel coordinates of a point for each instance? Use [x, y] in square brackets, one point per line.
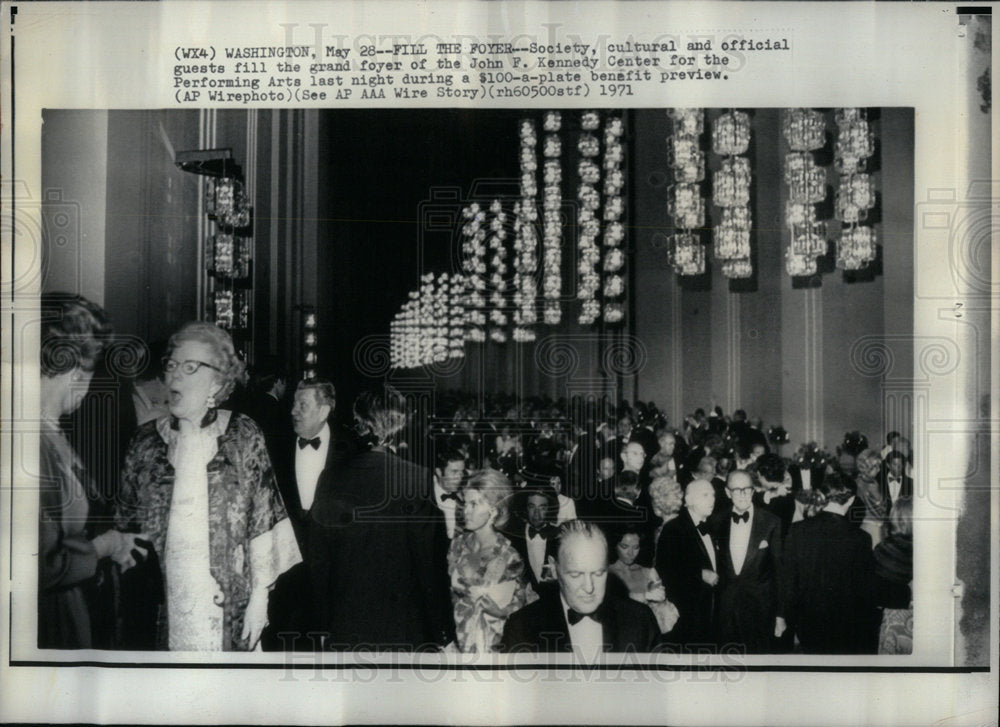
[305, 457]
[577, 613]
[686, 561]
[533, 535]
[828, 565]
[749, 541]
[776, 489]
[267, 404]
[373, 535]
[449, 473]
[894, 482]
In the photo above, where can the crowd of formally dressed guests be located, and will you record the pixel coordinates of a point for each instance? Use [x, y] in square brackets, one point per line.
[241, 516]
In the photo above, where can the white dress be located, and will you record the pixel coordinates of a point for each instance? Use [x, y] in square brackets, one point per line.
[194, 598]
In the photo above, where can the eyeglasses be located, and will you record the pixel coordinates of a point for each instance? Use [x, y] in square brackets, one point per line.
[740, 490]
[188, 367]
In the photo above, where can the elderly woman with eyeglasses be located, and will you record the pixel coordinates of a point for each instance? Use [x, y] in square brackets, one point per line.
[200, 482]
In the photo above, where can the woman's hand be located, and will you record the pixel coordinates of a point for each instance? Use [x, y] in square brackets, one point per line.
[489, 606]
[255, 617]
[125, 549]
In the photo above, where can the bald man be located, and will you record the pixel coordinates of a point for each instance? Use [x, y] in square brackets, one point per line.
[686, 559]
[749, 540]
[578, 613]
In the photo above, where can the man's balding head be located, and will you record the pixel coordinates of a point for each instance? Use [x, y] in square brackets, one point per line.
[699, 499]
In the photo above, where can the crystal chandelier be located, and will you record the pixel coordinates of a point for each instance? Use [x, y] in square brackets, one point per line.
[855, 143]
[525, 238]
[588, 172]
[731, 193]
[498, 279]
[614, 210]
[474, 269]
[684, 201]
[804, 131]
[552, 220]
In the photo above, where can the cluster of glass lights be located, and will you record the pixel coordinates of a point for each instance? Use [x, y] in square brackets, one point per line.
[731, 192]
[614, 229]
[429, 327]
[474, 269]
[589, 173]
[526, 239]
[498, 279]
[552, 219]
[684, 201]
[309, 341]
[804, 132]
[855, 143]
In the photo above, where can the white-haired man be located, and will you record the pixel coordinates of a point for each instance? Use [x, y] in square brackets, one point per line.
[577, 613]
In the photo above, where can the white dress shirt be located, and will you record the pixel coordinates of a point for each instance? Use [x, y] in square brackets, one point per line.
[536, 552]
[586, 636]
[739, 541]
[895, 486]
[447, 507]
[309, 464]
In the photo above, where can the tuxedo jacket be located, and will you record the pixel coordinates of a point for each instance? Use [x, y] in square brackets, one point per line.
[748, 601]
[681, 556]
[516, 535]
[540, 627]
[826, 586]
[373, 534]
[288, 485]
[906, 490]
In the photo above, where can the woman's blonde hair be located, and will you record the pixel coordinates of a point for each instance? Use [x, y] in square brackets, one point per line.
[497, 490]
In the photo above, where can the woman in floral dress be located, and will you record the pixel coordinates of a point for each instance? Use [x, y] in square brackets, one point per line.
[487, 574]
[200, 482]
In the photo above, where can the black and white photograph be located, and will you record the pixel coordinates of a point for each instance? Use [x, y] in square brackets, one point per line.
[482, 390]
[667, 324]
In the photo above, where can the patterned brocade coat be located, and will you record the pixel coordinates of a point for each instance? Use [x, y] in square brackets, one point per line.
[251, 541]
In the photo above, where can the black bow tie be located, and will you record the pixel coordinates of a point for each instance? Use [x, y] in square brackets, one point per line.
[533, 532]
[575, 616]
[449, 496]
[745, 517]
[314, 443]
[703, 527]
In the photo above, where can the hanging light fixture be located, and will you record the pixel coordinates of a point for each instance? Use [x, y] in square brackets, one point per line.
[614, 210]
[589, 198]
[684, 201]
[855, 143]
[474, 267]
[731, 193]
[804, 130]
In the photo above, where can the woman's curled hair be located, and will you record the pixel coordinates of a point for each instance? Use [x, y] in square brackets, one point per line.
[75, 333]
[231, 366]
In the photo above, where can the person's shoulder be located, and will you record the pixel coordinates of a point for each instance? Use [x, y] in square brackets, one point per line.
[629, 611]
[148, 435]
[767, 517]
[676, 526]
[241, 425]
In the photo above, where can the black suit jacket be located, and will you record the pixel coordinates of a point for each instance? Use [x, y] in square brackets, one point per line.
[906, 490]
[826, 593]
[748, 602]
[517, 538]
[373, 534]
[680, 557]
[541, 627]
[337, 451]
